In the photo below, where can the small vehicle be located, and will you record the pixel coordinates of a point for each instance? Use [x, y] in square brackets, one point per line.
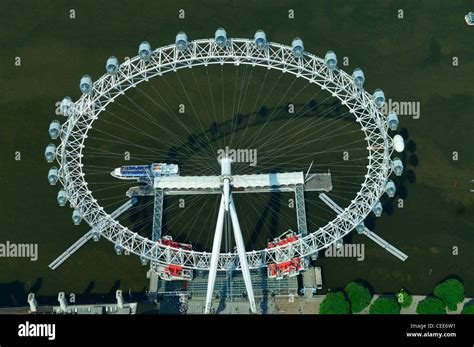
[319, 278]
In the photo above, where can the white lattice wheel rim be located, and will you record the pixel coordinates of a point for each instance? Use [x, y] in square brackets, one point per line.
[204, 52]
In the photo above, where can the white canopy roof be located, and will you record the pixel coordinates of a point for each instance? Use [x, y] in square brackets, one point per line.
[238, 181]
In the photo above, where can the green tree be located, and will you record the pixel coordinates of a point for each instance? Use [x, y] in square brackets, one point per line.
[431, 306]
[451, 292]
[468, 309]
[385, 305]
[359, 296]
[334, 303]
[404, 299]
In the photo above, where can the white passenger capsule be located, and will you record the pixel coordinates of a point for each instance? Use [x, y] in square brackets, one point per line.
[360, 228]
[392, 120]
[144, 51]
[118, 249]
[86, 84]
[377, 209]
[65, 106]
[143, 260]
[358, 77]
[50, 152]
[260, 39]
[390, 189]
[54, 129]
[62, 197]
[220, 37]
[339, 243]
[397, 166]
[95, 235]
[112, 65]
[181, 41]
[331, 60]
[297, 47]
[398, 143]
[76, 217]
[379, 98]
[53, 175]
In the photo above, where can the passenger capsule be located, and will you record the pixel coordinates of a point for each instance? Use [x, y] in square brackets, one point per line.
[379, 98]
[220, 37]
[398, 143]
[54, 129]
[331, 60]
[377, 209]
[397, 166]
[360, 228]
[50, 152]
[62, 197]
[339, 243]
[297, 47]
[118, 249]
[260, 39]
[65, 106]
[53, 175]
[390, 189]
[144, 51]
[144, 260]
[112, 65]
[76, 217]
[358, 77]
[181, 41]
[86, 84]
[392, 120]
[95, 235]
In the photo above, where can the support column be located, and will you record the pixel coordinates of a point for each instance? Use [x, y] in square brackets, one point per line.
[156, 235]
[242, 255]
[157, 215]
[300, 210]
[216, 248]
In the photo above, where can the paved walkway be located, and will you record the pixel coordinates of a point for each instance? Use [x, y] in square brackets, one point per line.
[301, 305]
[304, 306]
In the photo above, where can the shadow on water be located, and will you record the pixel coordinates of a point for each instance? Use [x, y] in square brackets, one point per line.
[435, 54]
[114, 288]
[139, 215]
[12, 294]
[37, 285]
[348, 238]
[90, 287]
[196, 142]
[370, 222]
[365, 284]
[271, 210]
[451, 277]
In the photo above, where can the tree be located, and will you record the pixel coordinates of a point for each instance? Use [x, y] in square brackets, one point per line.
[359, 296]
[385, 305]
[431, 306]
[334, 303]
[404, 299]
[468, 309]
[451, 292]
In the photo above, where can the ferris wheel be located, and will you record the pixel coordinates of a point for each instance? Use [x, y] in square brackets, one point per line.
[283, 256]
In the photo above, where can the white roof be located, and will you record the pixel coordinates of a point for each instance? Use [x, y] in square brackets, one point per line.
[238, 181]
